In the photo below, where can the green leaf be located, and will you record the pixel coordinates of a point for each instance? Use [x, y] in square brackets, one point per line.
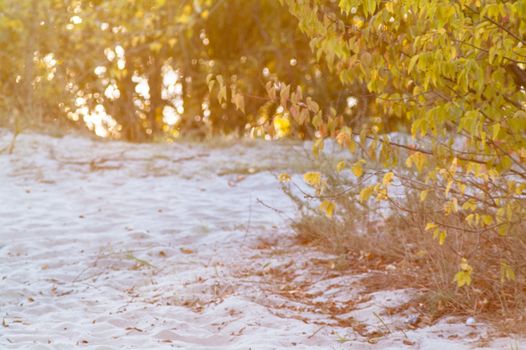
[412, 63]
[345, 6]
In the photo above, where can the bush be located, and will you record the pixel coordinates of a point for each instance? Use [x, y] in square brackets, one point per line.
[467, 270]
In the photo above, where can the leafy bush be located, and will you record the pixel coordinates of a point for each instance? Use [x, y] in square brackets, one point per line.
[452, 76]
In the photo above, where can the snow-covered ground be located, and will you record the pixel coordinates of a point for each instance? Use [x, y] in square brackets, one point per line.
[109, 245]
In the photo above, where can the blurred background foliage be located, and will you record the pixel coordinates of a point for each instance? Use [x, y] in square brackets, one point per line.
[138, 70]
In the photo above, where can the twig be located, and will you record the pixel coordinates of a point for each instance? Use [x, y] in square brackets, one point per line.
[383, 323]
[316, 332]
[11, 146]
[249, 221]
[76, 279]
[137, 159]
[280, 212]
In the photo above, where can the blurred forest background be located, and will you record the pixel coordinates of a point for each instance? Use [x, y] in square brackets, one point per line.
[137, 69]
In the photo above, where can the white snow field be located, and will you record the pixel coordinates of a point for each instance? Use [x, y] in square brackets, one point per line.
[110, 245]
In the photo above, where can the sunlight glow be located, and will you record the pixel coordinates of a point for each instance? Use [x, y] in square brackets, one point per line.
[76, 20]
[351, 101]
[99, 121]
[110, 54]
[170, 116]
[112, 92]
[100, 70]
[142, 88]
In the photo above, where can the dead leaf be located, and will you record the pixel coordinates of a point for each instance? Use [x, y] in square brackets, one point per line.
[408, 342]
[373, 340]
[186, 251]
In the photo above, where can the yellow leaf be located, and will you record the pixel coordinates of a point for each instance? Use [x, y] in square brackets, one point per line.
[156, 46]
[344, 136]
[366, 193]
[463, 277]
[381, 194]
[388, 178]
[312, 178]
[454, 165]
[328, 208]
[430, 226]
[222, 94]
[282, 126]
[423, 195]
[211, 84]
[284, 177]
[503, 229]
[357, 168]
[239, 101]
[409, 162]
[312, 105]
[451, 206]
[487, 219]
[317, 146]
[470, 204]
[418, 159]
[495, 128]
[412, 63]
[442, 237]
[506, 273]
[464, 266]
[340, 166]
[469, 219]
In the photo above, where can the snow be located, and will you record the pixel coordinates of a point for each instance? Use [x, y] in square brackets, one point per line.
[109, 245]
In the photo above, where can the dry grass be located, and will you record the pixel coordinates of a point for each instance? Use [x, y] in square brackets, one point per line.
[491, 295]
[396, 245]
